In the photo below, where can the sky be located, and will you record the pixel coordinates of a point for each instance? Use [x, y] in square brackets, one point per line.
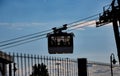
[23, 17]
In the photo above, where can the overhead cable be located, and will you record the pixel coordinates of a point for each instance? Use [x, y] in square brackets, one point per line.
[22, 40]
[40, 34]
[18, 44]
[24, 36]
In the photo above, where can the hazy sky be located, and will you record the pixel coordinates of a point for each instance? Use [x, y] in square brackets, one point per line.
[23, 17]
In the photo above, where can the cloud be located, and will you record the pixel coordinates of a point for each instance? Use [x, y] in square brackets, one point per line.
[17, 24]
[21, 25]
[83, 24]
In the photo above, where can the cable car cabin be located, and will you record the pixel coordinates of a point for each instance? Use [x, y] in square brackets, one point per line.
[60, 43]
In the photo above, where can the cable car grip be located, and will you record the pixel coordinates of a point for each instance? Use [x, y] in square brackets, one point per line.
[59, 30]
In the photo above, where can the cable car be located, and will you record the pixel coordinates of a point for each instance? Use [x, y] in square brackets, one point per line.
[60, 42]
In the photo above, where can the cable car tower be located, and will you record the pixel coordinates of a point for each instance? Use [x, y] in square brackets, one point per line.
[112, 14]
[60, 42]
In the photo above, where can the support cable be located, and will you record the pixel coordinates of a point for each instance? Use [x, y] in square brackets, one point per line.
[83, 19]
[81, 23]
[6, 47]
[24, 36]
[40, 34]
[22, 40]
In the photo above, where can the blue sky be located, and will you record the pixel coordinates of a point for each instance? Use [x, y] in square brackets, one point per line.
[23, 17]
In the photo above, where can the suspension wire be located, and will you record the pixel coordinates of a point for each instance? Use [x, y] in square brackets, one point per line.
[39, 36]
[84, 19]
[89, 16]
[80, 26]
[24, 36]
[6, 47]
[22, 40]
[30, 36]
[81, 23]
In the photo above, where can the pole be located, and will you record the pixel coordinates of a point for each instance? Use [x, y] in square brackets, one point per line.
[58, 67]
[111, 65]
[117, 39]
[119, 10]
[14, 68]
[112, 61]
[10, 69]
[58, 70]
[116, 29]
[67, 68]
[118, 3]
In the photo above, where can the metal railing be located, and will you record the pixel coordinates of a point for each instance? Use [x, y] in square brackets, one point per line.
[22, 65]
[56, 66]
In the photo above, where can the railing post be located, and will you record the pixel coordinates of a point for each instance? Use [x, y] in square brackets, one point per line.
[10, 70]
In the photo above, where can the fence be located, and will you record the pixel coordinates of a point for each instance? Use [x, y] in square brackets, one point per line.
[22, 65]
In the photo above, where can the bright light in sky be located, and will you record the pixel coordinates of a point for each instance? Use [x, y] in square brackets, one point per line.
[23, 17]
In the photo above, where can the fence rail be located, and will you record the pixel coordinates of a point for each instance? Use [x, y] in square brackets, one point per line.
[22, 65]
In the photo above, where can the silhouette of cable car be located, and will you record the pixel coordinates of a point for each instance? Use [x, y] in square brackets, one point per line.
[60, 42]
